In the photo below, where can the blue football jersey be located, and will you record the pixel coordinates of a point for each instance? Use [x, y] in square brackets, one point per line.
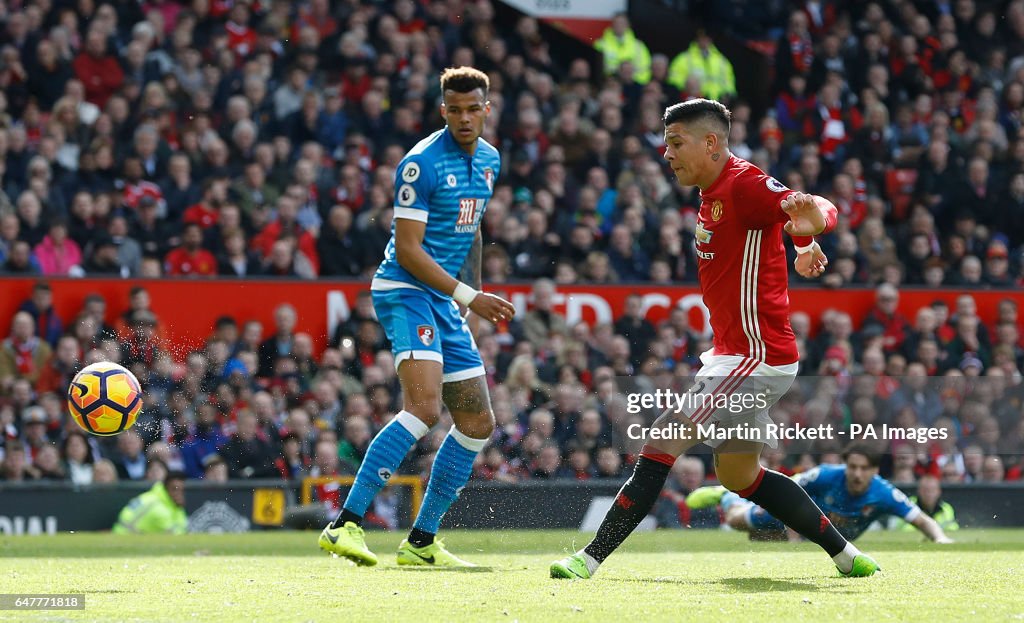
[852, 514]
[439, 184]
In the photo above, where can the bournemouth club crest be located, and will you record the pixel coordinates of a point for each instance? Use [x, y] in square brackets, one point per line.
[489, 178]
[426, 333]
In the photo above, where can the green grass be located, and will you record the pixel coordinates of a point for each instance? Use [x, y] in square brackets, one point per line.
[661, 576]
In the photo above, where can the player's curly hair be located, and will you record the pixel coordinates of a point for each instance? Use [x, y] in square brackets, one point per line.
[464, 80]
[863, 449]
[699, 111]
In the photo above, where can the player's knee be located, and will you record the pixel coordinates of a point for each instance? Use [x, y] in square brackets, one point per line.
[736, 477]
[672, 434]
[429, 412]
[475, 425]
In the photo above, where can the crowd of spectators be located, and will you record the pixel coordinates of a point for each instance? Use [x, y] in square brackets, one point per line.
[258, 402]
[249, 139]
[244, 139]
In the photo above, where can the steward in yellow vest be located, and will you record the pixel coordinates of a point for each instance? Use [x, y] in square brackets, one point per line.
[619, 44]
[703, 60]
[161, 510]
[942, 513]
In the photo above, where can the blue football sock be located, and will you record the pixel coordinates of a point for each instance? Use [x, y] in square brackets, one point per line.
[728, 499]
[452, 467]
[382, 459]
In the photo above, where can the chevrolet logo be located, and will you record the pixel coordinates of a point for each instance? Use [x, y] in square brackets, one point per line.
[703, 236]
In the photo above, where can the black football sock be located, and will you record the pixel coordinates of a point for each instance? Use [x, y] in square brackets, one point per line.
[346, 516]
[633, 502]
[789, 503]
[419, 538]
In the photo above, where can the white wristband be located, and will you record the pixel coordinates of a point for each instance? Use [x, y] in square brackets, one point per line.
[808, 248]
[464, 294]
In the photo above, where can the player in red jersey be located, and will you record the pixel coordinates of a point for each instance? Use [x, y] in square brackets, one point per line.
[744, 282]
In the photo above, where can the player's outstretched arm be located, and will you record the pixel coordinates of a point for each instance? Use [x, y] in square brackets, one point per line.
[412, 257]
[930, 528]
[809, 215]
[810, 261]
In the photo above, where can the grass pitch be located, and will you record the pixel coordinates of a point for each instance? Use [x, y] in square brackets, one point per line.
[660, 576]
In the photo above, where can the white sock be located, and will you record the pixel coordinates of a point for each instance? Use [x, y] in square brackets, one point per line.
[844, 559]
[590, 561]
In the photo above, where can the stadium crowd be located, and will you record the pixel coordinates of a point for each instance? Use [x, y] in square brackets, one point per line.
[260, 139]
[257, 402]
[243, 139]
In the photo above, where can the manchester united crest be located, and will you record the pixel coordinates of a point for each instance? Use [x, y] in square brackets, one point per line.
[426, 333]
[716, 210]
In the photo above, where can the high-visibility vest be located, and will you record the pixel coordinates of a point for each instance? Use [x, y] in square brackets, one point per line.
[944, 516]
[716, 77]
[628, 48]
[153, 512]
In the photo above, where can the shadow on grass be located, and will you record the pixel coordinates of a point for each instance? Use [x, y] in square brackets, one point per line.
[650, 580]
[738, 585]
[764, 585]
[444, 569]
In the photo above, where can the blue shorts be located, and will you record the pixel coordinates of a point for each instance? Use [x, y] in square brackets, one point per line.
[759, 519]
[422, 326]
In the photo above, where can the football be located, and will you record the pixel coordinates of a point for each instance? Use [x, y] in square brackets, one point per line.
[104, 398]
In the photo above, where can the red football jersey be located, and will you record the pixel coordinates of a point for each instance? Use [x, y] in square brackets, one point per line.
[199, 213]
[180, 262]
[742, 264]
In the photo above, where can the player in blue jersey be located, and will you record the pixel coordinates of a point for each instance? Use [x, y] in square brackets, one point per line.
[431, 266]
[852, 496]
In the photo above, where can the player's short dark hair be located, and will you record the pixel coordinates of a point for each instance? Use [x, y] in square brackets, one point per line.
[699, 111]
[464, 80]
[863, 449]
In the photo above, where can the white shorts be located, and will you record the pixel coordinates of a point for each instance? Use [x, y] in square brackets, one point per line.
[733, 395]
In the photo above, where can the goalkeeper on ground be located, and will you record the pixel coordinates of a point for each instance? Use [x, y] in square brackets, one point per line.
[852, 496]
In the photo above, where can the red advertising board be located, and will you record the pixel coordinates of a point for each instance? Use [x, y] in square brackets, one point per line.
[188, 308]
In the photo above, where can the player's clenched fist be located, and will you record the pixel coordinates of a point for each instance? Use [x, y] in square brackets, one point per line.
[491, 307]
[805, 218]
